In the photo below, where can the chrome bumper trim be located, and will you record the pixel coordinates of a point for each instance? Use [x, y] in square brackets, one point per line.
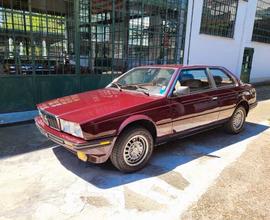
[73, 146]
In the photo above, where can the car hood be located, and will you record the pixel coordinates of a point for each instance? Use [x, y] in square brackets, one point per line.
[91, 105]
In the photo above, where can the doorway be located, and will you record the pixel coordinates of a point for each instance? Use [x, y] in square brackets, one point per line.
[247, 64]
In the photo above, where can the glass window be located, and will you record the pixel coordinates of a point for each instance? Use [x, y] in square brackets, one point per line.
[261, 31]
[142, 33]
[151, 80]
[85, 36]
[221, 78]
[33, 37]
[195, 79]
[218, 17]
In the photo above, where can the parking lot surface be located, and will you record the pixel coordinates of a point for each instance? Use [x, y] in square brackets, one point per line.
[212, 175]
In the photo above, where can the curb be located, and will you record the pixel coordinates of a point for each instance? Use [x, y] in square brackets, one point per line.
[13, 118]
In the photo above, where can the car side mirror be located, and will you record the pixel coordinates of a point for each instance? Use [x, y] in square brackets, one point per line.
[181, 90]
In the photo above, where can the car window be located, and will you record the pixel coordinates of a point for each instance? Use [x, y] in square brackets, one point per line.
[221, 78]
[195, 79]
[146, 75]
[138, 76]
[151, 80]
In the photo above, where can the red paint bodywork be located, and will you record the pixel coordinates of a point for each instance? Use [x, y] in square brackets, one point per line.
[104, 113]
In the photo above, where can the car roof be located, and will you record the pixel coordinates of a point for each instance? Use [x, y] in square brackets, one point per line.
[181, 66]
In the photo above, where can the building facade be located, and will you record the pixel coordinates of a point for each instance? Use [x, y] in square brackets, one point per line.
[89, 36]
[231, 33]
[52, 48]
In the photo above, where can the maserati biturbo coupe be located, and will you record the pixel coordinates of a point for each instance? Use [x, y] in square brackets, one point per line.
[145, 107]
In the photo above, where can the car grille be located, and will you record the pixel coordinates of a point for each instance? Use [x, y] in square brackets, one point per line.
[50, 120]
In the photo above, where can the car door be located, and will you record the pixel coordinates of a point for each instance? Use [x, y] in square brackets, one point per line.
[197, 108]
[226, 92]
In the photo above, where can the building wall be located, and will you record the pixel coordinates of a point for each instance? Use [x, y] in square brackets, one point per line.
[227, 52]
[261, 62]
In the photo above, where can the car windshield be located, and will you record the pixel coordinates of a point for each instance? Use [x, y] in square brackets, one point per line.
[151, 81]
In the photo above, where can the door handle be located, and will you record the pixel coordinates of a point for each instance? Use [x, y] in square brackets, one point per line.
[214, 98]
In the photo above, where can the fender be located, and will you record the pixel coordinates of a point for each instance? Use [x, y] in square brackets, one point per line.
[243, 97]
[134, 118]
[244, 103]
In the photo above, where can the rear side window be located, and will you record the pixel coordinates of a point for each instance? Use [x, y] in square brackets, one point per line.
[221, 78]
[195, 79]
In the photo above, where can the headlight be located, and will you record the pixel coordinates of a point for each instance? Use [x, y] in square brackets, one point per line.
[71, 128]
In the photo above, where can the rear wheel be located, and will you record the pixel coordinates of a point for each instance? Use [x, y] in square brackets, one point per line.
[237, 121]
[132, 149]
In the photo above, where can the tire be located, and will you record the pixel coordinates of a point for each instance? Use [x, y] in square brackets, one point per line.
[132, 149]
[236, 123]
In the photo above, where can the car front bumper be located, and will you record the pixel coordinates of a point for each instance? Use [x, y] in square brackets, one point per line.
[96, 151]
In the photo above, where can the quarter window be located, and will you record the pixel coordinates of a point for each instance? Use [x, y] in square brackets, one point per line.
[218, 17]
[195, 79]
[221, 78]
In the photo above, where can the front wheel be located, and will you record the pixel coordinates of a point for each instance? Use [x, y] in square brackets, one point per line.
[237, 121]
[132, 150]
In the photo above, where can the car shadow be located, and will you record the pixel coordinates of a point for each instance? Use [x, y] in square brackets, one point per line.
[20, 139]
[164, 159]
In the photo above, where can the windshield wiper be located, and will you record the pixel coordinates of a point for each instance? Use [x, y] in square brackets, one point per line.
[138, 88]
[144, 90]
[118, 85]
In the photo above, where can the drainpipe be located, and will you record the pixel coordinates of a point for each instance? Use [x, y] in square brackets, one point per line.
[242, 42]
[190, 32]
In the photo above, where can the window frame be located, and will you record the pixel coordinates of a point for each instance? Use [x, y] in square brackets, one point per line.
[257, 35]
[226, 73]
[217, 31]
[170, 83]
[210, 79]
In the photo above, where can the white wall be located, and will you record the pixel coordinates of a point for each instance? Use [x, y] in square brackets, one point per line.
[261, 62]
[260, 71]
[227, 52]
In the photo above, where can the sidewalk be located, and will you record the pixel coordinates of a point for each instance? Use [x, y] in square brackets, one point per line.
[15, 117]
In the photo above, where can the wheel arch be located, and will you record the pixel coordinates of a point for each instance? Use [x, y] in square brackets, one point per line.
[141, 121]
[245, 104]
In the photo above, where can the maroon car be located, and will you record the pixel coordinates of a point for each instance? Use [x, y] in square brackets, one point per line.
[145, 107]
